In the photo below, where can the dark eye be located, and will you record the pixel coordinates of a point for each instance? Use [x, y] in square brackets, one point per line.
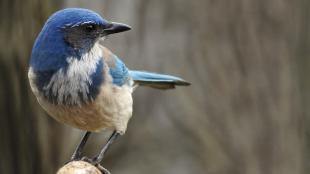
[90, 27]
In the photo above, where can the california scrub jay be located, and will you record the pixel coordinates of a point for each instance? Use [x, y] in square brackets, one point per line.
[81, 83]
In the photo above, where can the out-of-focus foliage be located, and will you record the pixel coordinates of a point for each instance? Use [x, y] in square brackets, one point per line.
[246, 111]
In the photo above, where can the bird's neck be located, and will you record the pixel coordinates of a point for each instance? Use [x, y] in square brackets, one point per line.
[75, 83]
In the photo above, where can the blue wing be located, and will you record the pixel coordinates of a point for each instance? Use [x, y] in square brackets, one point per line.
[119, 72]
[121, 75]
[118, 69]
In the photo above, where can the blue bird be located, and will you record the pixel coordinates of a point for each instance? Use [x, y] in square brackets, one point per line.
[81, 83]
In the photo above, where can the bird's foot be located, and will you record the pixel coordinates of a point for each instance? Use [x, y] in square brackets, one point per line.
[89, 160]
[103, 170]
[96, 163]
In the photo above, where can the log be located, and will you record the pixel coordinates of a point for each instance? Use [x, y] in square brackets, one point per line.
[82, 167]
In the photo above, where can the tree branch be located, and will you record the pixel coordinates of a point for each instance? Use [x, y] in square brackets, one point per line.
[82, 167]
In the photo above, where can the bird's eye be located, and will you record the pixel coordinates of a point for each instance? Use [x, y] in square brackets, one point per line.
[90, 27]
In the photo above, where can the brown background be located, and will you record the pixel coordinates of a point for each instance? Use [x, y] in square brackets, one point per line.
[247, 110]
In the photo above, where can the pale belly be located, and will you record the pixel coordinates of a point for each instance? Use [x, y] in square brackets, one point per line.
[111, 109]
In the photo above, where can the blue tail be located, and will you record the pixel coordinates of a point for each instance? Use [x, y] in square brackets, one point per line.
[154, 80]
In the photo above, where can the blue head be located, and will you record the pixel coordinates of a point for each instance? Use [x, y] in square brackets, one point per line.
[70, 32]
[68, 38]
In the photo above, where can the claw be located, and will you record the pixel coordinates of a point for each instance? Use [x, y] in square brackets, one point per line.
[103, 170]
[95, 162]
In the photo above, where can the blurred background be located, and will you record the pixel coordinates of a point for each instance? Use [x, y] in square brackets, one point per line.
[247, 111]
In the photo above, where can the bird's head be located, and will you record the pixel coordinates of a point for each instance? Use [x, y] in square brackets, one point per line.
[72, 32]
[81, 28]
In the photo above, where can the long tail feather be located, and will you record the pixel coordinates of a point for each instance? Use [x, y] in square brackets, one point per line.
[154, 80]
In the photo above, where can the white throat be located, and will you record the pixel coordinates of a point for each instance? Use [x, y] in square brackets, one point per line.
[71, 85]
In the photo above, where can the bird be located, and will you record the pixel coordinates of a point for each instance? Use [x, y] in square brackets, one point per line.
[81, 83]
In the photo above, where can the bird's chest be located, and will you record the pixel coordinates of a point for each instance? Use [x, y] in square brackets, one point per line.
[75, 84]
[112, 108]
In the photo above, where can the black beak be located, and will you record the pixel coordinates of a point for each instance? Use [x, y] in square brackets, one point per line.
[116, 28]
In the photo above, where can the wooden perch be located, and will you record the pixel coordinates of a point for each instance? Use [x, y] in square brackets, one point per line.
[82, 167]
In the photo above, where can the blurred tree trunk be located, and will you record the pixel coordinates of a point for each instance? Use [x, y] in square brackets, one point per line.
[303, 59]
[25, 146]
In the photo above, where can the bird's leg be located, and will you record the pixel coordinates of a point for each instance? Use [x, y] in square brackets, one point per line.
[100, 156]
[78, 151]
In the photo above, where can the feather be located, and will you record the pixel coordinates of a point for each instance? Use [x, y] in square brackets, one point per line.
[155, 80]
